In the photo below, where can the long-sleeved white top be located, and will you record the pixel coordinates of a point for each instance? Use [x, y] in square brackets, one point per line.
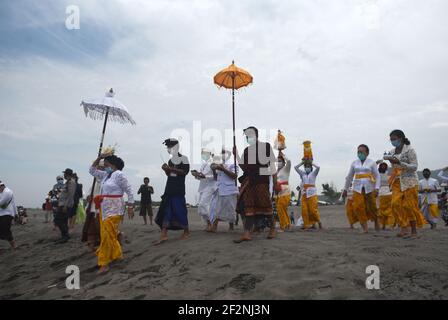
[429, 185]
[368, 167]
[283, 178]
[114, 184]
[7, 201]
[308, 179]
[209, 183]
[442, 176]
[226, 185]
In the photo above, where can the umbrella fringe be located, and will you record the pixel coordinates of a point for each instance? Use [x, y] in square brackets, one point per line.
[97, 112]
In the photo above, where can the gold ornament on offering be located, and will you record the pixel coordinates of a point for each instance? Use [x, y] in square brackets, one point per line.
[307, 152]
[109, 151]
[280, 141]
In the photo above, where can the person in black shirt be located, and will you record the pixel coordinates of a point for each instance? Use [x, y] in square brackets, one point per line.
[173, 213]
[145, 201]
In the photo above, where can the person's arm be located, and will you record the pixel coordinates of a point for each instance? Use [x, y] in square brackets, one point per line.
[99, 174]
[5, 198]
[377, 176]
[437, 188]
[230, 171]
[317, 169]
[139, 190]
[151, 190]
[412, 165]
[420, 187]
[349, 178]
[442, 176]
[123, 183]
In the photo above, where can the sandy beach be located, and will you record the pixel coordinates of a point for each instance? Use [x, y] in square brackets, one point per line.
[328, 264]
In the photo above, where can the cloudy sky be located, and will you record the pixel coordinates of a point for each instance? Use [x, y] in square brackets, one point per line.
[339, 73]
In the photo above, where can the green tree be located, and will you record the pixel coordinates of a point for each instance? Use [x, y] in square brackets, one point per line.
[329, 191]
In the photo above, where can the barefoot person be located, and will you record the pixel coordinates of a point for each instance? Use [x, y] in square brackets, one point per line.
[404, 184]
[385, 216]
[310, 212]
[207, 186]
[173, 214]
[364, 176]
[145, 201]
[283, 196]
[258, 164]
[8, 211]
[111, 207]
[223, 205]
[429, 205]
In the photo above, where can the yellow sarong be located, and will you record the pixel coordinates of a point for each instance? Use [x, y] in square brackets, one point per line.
[109, 249]
[364, 206]
[282, 203]
[310, 214]
[385, 216]
[405, 206]
[352, 219]
[434, 210]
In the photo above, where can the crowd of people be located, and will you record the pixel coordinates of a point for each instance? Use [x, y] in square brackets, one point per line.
[386, 192]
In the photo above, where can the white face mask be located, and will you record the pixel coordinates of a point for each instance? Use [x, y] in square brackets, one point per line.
[205, 156]
[251, 140]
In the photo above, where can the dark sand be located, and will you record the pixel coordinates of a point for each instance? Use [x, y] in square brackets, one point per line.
[329, 264]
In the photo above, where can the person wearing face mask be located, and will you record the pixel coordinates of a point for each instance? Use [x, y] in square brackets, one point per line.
[283, 197]
[428, 188]
[173, 213]
[65, 205]
[366, 180]
[385, 216]
[111, 206]
[310, 212]
[254, 201]
[207, 186]
[404, 185]
[223, 205]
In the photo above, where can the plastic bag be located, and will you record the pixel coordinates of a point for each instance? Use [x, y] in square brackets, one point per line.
[80, 213]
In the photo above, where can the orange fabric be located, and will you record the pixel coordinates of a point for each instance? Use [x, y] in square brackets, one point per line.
[405, 206]
[385, 216]
[306, 186]
[282, 203]
[352, 219]
[364, 176]
[364, 206]
[99, 198]
[109, 249]
[224, 78]
[396, 172]
[310, 212]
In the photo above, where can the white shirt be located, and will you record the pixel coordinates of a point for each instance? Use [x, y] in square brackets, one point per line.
[7, 198]
[116, 184]
[283, 176]
[384, 186]
[209, 182]
[357, 167]
[226, 185]
[430, 184]
[308, 179]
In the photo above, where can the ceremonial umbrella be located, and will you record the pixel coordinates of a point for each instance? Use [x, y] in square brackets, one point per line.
[108, 108]
[233, 78]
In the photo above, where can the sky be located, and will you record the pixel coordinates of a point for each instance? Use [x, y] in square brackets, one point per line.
[336, 72]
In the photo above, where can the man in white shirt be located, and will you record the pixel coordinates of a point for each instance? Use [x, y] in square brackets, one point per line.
[8, 211]
[428, 188]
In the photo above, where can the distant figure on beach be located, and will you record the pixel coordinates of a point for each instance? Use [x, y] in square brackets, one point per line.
[145, 201]
[77, 197]
[223, 205]
[173, 214]
[48, 207]
[310, 211]
[385, 216]
[8, 211]
[283, 195]
[91, 228]
[258, 165]
[291, 217]
[57, 188]
[207, 186]
[111, 205]
[404, 184]
[65, 205]
[365, 178]
[429, 205]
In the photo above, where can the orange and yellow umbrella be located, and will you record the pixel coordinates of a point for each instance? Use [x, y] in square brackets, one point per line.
[233, 78]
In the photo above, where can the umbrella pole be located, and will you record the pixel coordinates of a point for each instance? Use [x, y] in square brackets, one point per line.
[99, 153]
[233, 116]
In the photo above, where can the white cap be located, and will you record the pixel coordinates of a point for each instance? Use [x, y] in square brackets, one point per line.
[2, 183]
[206, 150]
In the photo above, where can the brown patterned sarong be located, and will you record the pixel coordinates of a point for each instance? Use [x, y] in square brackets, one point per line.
[255, 199]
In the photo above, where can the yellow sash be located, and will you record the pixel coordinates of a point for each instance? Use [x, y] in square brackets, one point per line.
[396, 172]
[365, 176]
[306, 186]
